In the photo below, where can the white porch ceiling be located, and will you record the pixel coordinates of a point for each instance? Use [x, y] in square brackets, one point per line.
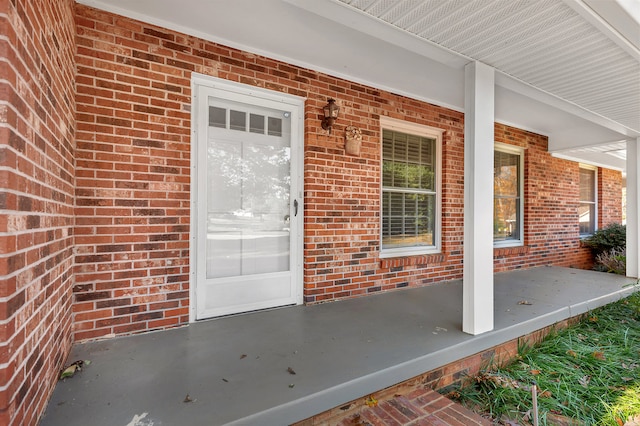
[568, 69]
[545, 43]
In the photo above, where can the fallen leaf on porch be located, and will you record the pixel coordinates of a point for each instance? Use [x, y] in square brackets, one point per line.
[371, 401]
[345, 407]
[72, 368]
[524, 302]
[187, 399]
[290, 370]
[243, 356]
[291, 385]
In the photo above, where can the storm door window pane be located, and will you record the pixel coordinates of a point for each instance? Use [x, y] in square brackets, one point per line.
[587, 207]
[408, 193]
[256, 123]
[275, 126]
[217, 117]
[507, 216]
[238, 120]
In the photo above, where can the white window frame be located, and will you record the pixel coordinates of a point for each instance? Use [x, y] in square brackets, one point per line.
[595, 197]
[519, 151]
[428, 132]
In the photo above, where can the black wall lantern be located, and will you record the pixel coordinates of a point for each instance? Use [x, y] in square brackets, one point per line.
[331, 111]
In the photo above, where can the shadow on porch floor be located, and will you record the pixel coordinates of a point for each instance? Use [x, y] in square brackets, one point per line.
[235, 369]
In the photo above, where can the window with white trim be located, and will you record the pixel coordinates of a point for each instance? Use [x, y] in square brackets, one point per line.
[411, 191]
[508, 202]
[587, 210]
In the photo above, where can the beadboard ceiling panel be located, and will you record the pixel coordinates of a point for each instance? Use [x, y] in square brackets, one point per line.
[544, 43]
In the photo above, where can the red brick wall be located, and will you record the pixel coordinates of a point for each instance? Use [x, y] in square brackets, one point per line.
[133, 179]
[609, 197]
[342, 198]
[551, 188]
[37, 125]
[132, 187]
[133, 175]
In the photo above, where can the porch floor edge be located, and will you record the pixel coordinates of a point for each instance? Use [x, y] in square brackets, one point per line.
[303, 408]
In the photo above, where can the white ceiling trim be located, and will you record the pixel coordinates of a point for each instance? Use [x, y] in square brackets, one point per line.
[383, 30]
[523, 88]
[336, 11]
[545, 43]
[598, 12]
[584, 160]
[599, 147]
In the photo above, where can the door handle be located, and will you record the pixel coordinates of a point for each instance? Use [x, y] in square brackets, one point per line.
[295, 207]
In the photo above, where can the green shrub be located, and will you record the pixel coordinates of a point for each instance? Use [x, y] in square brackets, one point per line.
[612, 236]
[614, 260]
[608, 245]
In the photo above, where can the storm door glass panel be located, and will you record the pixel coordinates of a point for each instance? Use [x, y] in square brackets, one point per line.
[238, 120]
[506, 190]
[256, 123]
[408, 190]
[224, 241]
[587, 207]
[248, 183]
[217, 117]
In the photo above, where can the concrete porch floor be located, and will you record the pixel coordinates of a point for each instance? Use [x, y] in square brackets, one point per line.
[234, 369]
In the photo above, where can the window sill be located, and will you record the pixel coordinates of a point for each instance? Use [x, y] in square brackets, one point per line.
[509, 251]
[508, 243]
[423, 260]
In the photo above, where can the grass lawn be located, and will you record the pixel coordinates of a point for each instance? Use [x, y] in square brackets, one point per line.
[589, 372]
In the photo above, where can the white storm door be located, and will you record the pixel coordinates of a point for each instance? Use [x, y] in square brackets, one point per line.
[248, 209]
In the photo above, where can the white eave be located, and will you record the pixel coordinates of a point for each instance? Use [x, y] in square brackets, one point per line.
[567, 69]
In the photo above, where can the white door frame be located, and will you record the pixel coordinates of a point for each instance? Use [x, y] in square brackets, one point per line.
[292, 102]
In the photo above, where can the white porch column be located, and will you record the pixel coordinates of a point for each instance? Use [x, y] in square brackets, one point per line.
[477, 307]
[633, 208]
